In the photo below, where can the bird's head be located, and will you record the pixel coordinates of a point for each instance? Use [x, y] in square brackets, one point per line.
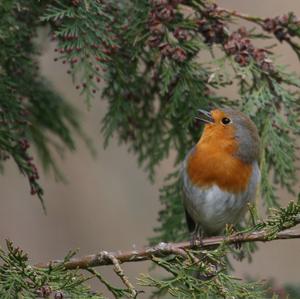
[232, 131]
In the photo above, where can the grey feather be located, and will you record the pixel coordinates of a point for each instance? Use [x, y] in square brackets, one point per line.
[246, 134]
[213, 208]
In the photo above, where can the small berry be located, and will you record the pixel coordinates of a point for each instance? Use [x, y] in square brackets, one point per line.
[179, 54]
[181, 34]
[59, 295]
[166, 13]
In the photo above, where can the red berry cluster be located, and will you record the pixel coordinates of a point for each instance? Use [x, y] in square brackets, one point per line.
[239, 45]
[211, 26]
[182, 34]
[33, 176]
[69, 48]
[24, 144]
[175, 53]
[29, 167]
[21, 144]
[73, 55]
[163, 11]
[283, 27]
[88, 48]
[46, 291]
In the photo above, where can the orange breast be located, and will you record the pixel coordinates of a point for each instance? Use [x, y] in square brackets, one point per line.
[214, 162]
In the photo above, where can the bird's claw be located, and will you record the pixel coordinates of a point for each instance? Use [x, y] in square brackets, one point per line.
[238, 241]
[197, 237]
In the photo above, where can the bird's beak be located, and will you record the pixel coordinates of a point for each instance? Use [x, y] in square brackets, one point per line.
[205, 116]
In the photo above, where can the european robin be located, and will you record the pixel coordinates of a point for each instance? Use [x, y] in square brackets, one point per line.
[220, 173]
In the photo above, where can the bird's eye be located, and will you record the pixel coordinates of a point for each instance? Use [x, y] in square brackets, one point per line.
[226, 120]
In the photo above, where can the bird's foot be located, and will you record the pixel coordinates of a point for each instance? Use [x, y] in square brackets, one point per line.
[238, 238]
[196, 241]
[197, 237]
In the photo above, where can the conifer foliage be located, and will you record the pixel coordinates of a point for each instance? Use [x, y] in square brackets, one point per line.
[160, 61]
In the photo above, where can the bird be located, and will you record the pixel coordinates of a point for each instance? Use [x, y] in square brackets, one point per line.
[220, 174]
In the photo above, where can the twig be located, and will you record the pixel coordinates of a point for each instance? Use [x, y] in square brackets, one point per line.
[119, 271]
[240, 15]
[163, 249]
[115, 291]
[234, 13]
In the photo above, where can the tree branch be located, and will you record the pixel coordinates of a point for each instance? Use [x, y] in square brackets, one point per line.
[240, 15]
[163, 249]
[119, 271]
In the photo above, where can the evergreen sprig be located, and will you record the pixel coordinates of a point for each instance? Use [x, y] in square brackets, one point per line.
[18, 279]
[212, 283]
[281, 218]
[194, 272]
[85, 39]
[30, 111]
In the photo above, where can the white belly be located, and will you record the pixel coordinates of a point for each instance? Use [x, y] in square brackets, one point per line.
[213, 208]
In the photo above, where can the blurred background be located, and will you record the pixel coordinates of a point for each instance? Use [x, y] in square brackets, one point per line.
[108, 202]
